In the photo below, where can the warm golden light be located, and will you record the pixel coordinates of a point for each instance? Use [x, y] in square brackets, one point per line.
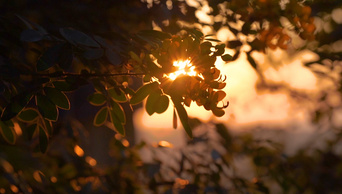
[184, 68]
[91, 161]
[165, 144]
[78, 150]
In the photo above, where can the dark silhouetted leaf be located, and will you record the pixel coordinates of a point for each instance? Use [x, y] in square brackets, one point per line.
[43, 140]
[64, 86]
[251, 60]
[78, 38]
[28, 115]
[117, 94]
[117, 123]
[246, 28]
[66, 57]
[7, 133]
[113, 57]
[49, 58]
[15, 106]
[97, 99]
[183, 115]
[30, 130]
[101, 116]
[142, 93]
[92, 54]
[227, 57]
[174, 120]
[30, 35]
[234, 44]
[155, 34]
[57, 97]
[46, 108]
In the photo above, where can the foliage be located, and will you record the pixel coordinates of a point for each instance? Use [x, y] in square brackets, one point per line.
[53, 49]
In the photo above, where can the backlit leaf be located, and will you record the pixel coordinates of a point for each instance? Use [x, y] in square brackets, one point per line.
[97, 99]
[183, 115]
[7, 133]
[15, 106]
[57, 97]
[48, 127]
[156, 102]
[142, 93]
[46, 108]
[28, 115]
[118, 110]
[117, 94]
[43, 140]
[117, 123]
[135, 57]
[101, 116]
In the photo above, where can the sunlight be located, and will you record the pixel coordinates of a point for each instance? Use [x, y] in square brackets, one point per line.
[184, 68]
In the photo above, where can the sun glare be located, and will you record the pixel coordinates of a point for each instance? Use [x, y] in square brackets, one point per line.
[184, 68]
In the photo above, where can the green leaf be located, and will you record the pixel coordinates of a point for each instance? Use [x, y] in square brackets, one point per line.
[183, 115]
[227, 57]
[46, 108]
[43, 140]
[101, 116]
[118, 110]
[77, 37]
[117, 123]
[28, 115]
[57, 97]
[135, 57]
[142, 93]
[156, 102]
[15, 106]
[7, 133]
[234, 44]
[117, 94]
[97, 99]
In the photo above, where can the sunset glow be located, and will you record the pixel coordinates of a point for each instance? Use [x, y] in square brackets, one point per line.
[184, 68]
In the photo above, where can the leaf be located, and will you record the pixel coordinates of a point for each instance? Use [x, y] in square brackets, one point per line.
[113, 57]
[135, 57]
[212, 39]
[46, 108]
[183, 115]
[15, 106]
[251, 61]
[64, 86]
[43, 140]
[156, 102]
[101, 116]
[155, 34]
[118, 110]
[92, 54]
[7, 133]
[76, 37]
[57, 97]
[97, 99]
[48, 127]
[28, 115]
[142, 93]
[49, 58]
[30, 130]
[66, 57]
[175, 124]
[227, 57]
[30, 35]
[234, 44]
[117, 123]
[117, 94]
